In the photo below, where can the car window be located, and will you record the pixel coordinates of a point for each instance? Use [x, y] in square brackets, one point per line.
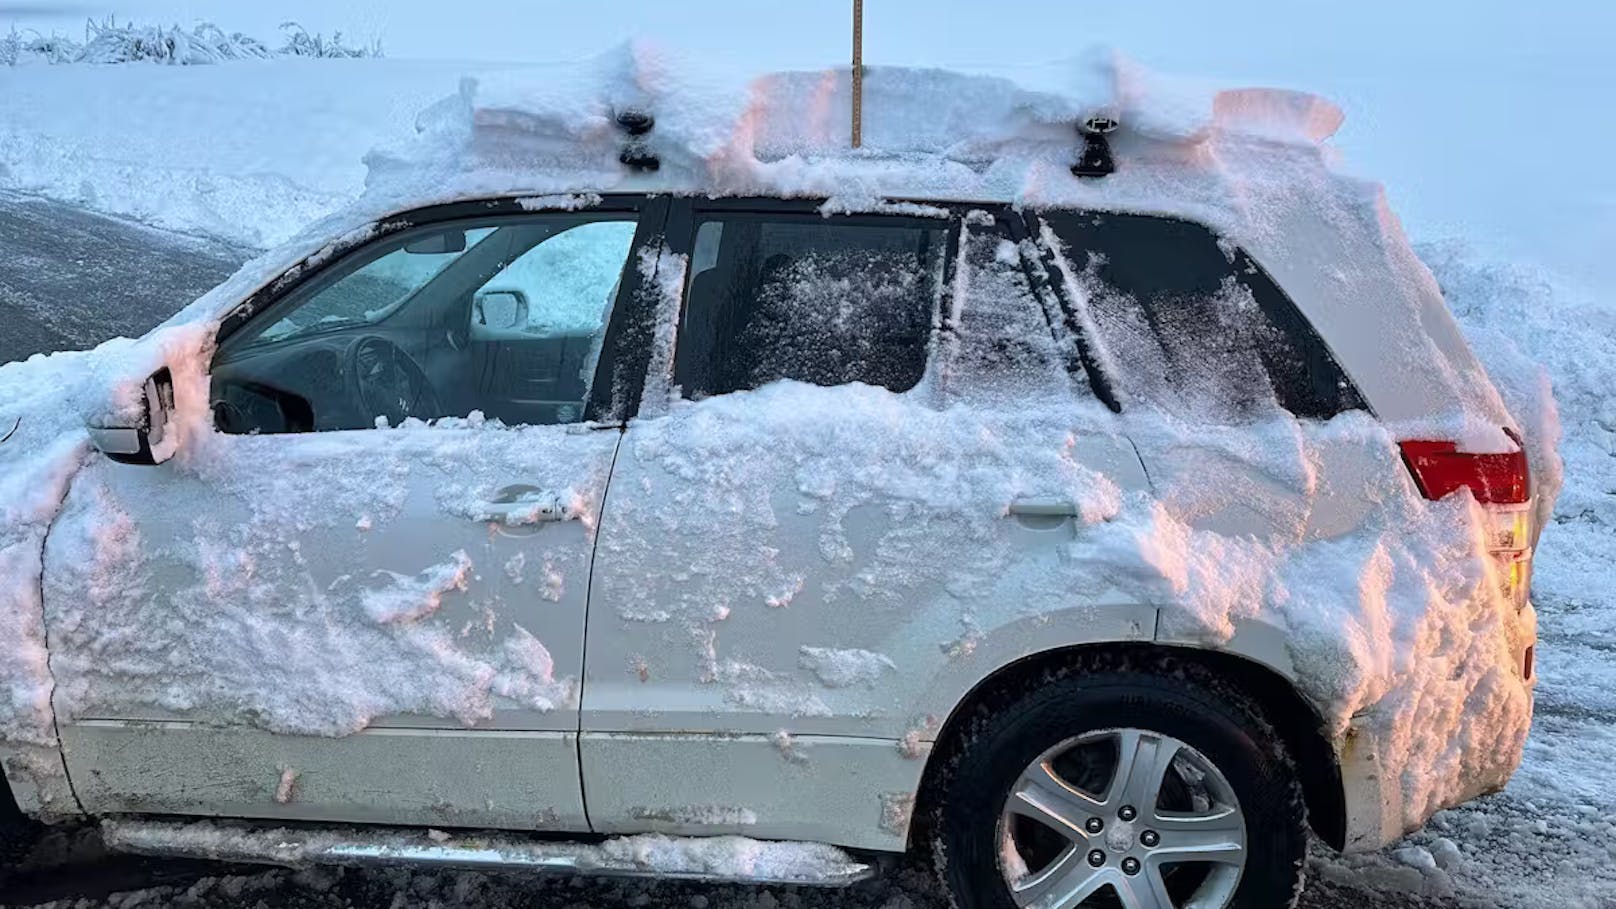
[1189, 322]
[505, 317]
[1001, 338]
[566, 281]
[817, 300]
[369, 291]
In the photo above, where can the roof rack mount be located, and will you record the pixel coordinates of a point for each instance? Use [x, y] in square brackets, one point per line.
[636, 153]
[1096, 160]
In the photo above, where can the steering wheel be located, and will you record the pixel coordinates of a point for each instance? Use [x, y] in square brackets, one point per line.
[387, 383]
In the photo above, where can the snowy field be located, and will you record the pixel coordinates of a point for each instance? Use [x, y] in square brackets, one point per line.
[246, 153]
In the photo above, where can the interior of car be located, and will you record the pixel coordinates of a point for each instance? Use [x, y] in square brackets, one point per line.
[437, 322]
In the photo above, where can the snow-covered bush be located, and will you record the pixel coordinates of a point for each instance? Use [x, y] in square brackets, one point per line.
[299, 43]
[206, 43]
[108, 41]
[18, 47]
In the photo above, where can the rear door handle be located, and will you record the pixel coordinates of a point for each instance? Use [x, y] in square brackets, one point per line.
[1044, 507]
[517, 506]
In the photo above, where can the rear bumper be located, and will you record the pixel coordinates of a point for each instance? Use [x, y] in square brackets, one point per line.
[1385, 796]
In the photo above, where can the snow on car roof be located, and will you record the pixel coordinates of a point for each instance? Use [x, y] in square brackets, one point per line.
[1252, 163]
[927, 133]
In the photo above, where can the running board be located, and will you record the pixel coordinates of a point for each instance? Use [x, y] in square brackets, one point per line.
[731, 859]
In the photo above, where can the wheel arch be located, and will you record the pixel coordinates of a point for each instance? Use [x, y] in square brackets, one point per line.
[1300, 726]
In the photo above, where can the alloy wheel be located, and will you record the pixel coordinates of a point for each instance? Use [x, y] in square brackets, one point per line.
[1123, 818]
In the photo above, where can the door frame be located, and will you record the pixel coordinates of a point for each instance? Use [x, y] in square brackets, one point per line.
[350, 761]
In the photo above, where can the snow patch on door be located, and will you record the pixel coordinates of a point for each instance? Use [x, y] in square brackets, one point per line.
[846, 668]
[402, 599]
[698, 816]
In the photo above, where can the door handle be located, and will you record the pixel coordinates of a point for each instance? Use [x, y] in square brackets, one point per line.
[1044, 507]
[517, 506]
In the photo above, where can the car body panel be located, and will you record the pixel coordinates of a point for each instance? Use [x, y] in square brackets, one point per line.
[428, 777]
[285, 572]
[848, 791]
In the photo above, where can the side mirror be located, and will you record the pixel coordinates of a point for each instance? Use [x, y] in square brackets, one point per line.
[499, 313]
[150, 440]
[437, 244]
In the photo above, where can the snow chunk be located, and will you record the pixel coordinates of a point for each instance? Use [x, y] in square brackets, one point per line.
[402, 599]
[730, 857]
[559, 202]
[1276, 114]
[845, 668]
[287, 787]
[698, 815]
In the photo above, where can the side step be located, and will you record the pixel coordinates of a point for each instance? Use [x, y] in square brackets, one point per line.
[723, 858]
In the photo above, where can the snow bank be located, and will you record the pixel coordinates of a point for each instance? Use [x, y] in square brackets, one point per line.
[250, 153]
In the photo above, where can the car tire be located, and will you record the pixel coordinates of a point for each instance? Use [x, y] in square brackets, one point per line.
[1068, 723]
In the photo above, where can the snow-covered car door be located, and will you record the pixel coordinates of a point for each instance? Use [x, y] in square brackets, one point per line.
[359, 595]
[875, 461]
[1226, 387]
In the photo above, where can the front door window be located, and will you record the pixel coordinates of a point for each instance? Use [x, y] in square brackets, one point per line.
[506, 318]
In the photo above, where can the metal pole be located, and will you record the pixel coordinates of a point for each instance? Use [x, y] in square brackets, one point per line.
[858, 72]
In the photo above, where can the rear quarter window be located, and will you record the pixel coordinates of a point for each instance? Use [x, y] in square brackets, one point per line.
[1189, 322]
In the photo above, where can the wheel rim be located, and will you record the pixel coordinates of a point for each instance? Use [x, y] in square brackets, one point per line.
[1122, 817]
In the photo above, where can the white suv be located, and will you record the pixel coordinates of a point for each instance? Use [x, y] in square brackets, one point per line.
[1015, 534]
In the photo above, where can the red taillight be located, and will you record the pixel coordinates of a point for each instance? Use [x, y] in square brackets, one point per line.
[1440, 468]
[1502, 483]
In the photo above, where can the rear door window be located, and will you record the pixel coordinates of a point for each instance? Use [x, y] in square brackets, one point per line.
[827, 301]
[1003, 342]
[1188, 322]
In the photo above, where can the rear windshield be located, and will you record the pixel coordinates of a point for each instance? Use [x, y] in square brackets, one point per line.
[1190, 323]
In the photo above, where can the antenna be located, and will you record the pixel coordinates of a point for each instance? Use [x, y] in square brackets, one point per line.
[858, 73]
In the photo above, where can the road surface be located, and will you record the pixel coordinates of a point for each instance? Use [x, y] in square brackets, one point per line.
[70, 279]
